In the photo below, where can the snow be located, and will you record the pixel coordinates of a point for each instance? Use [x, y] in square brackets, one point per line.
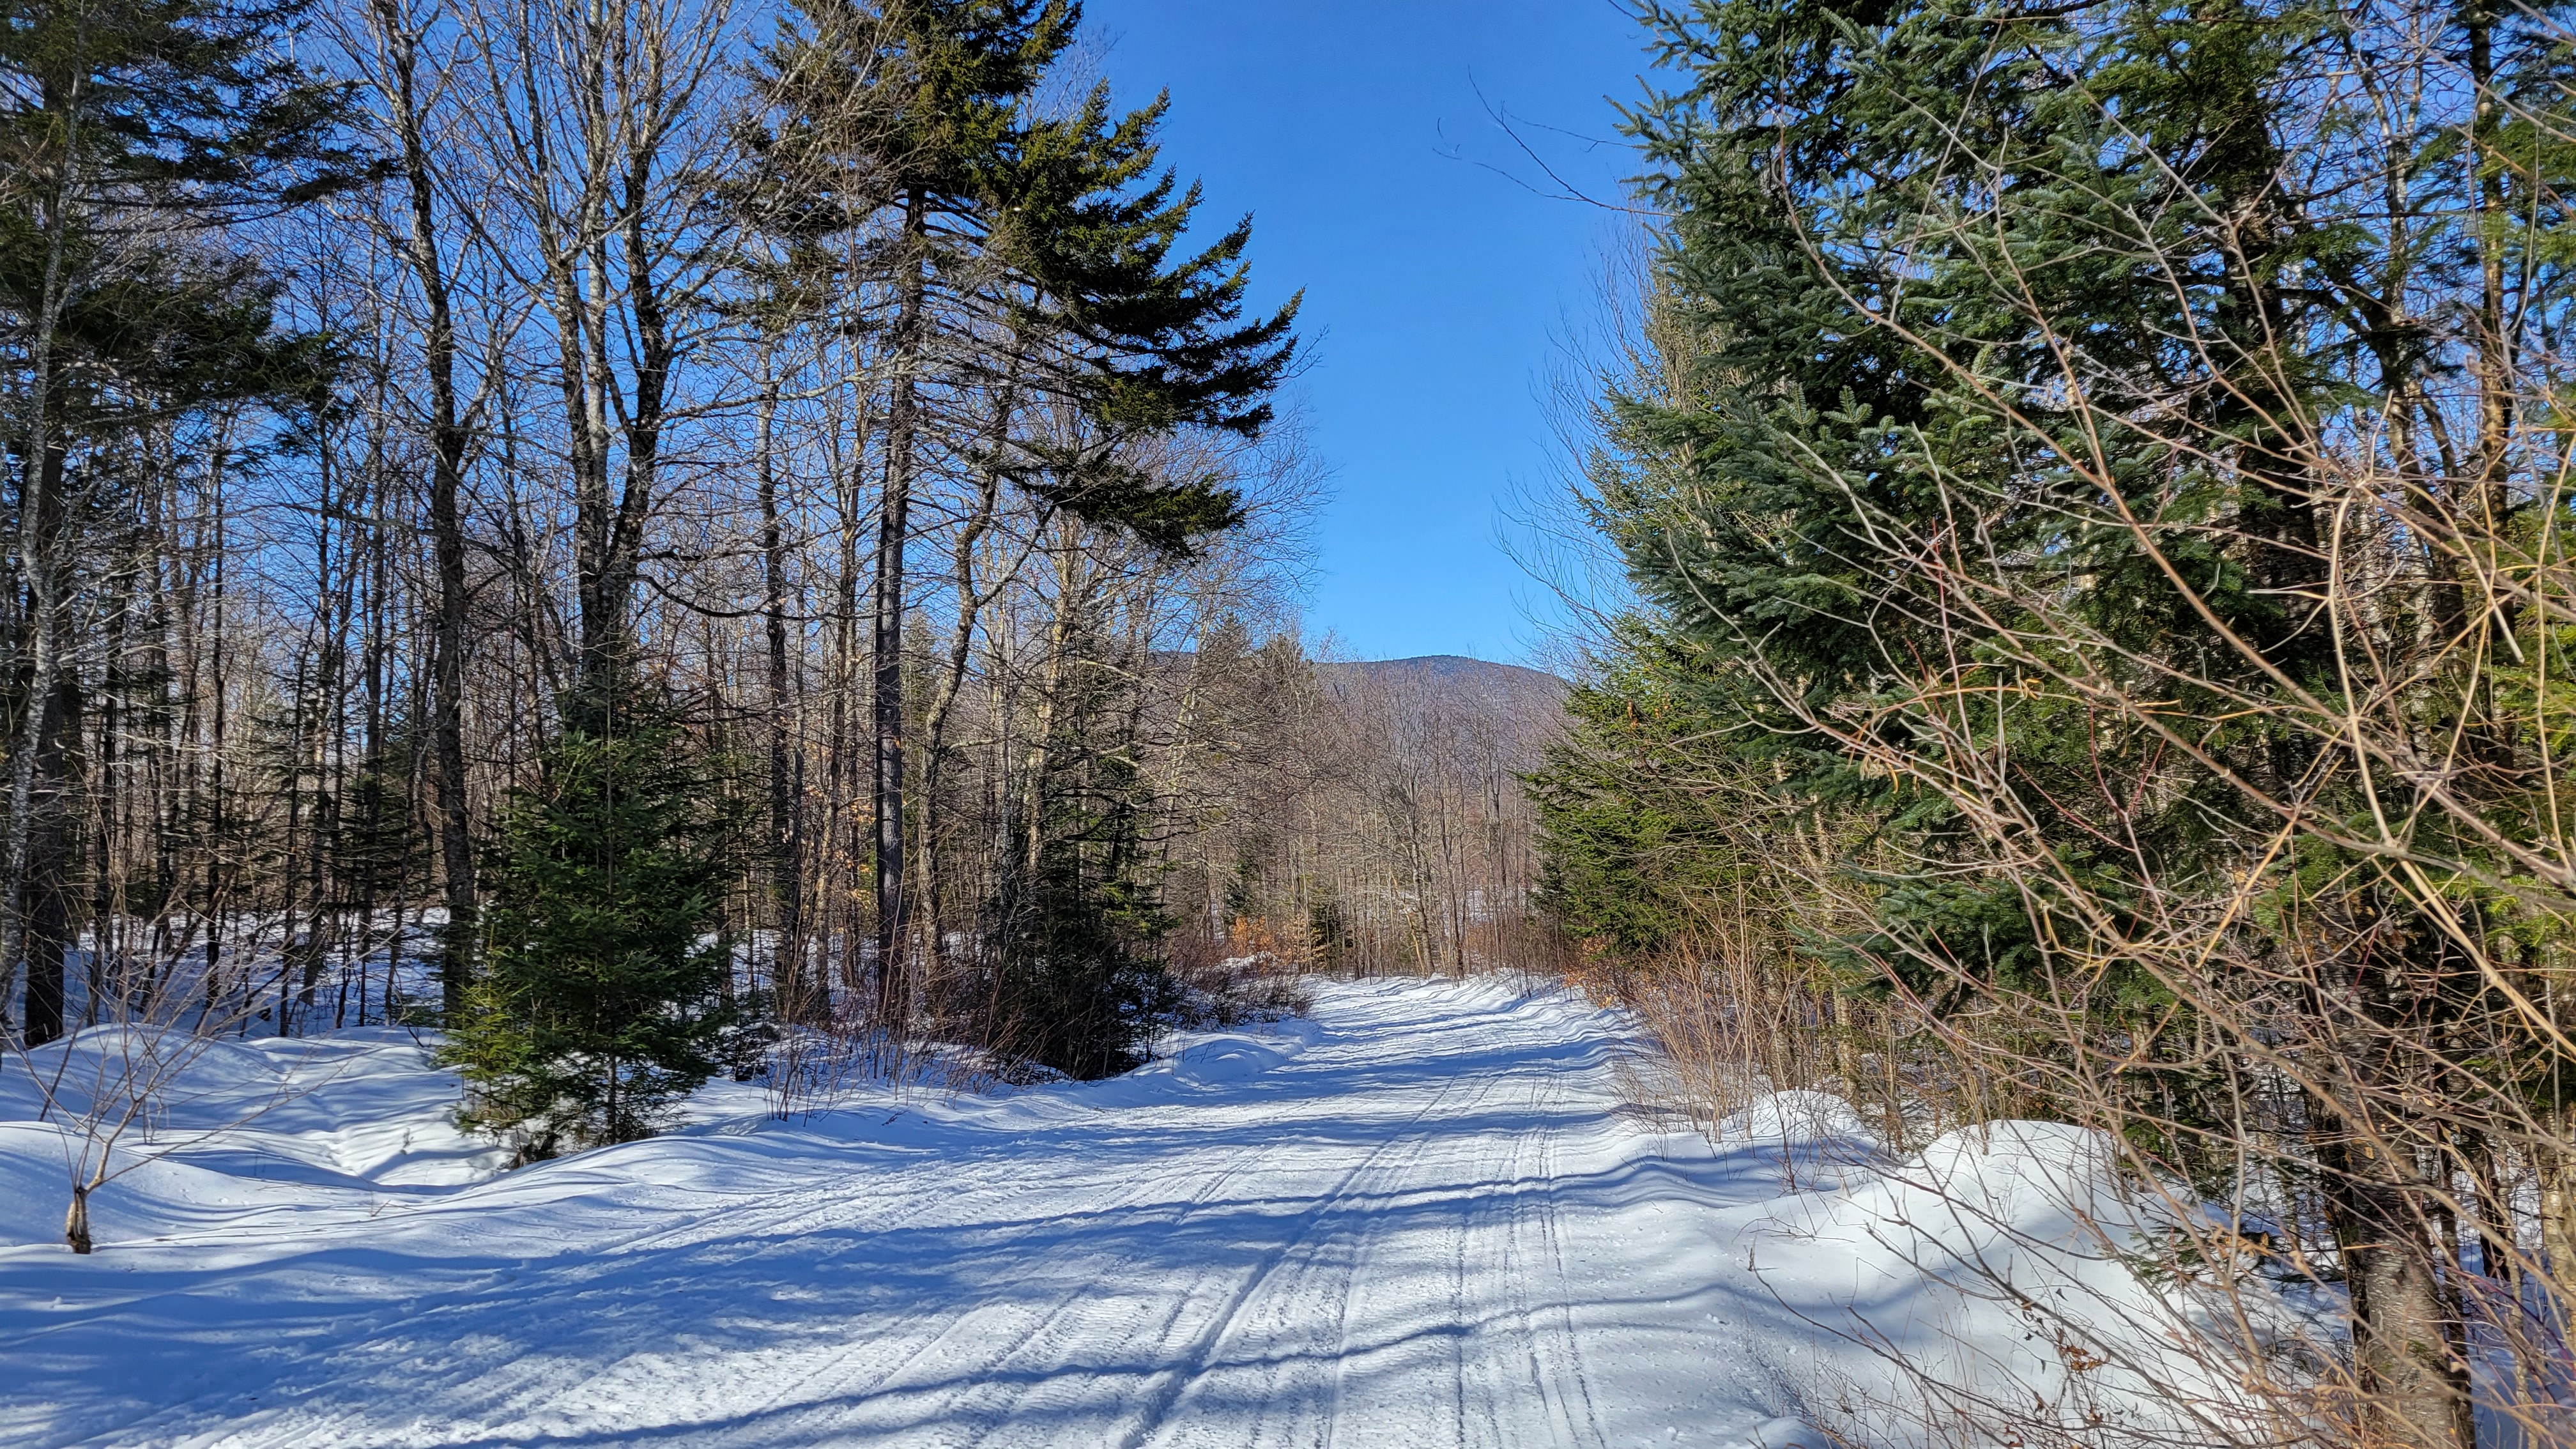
[1421, 1217]
[252, 1128]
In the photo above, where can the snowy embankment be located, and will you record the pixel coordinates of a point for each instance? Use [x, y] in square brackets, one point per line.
[1426, 1216]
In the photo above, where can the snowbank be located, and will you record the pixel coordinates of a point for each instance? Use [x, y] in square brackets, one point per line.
[242, 1133]
[2010, 1275]
[1423, 1216]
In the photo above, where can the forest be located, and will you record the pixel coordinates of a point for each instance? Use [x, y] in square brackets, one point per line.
[623, 531]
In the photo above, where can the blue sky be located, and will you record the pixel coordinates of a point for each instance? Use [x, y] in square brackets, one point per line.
[1436, 289]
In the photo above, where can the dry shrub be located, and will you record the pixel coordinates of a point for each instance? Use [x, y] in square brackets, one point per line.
[1243, 977]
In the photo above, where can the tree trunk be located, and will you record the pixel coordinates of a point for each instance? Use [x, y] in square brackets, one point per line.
[841, 770]
[2414, 1386]
[610, 639]
[2415, 1391]
[786, 820]
[48, 930]
[887, 657]
[45, 851]
[2556, 1167]
[41, 554]
[971, 599]
[449, 440]
[1031, 821]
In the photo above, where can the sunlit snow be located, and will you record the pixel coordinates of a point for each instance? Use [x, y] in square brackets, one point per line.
[1426, 1217]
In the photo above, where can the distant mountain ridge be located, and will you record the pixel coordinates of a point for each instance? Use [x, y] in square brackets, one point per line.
[1433, 678]
[1449, 671]
[1527, 704]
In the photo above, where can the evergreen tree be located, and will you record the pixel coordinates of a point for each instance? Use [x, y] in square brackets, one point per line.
[603, 1002]
[1636, 843]
[1084, 987]
[2023, 365]
[1080, 920]
[131, 131]
[1056, 230]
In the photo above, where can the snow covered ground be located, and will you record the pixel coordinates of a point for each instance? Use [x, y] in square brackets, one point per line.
[1425, 1217]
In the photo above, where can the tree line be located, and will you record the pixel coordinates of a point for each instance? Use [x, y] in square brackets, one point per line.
[2092, 485]
[646, 533]
[566, 474]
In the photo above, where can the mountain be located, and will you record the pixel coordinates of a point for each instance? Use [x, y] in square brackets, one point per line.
[1455, 672]
[1448, 691]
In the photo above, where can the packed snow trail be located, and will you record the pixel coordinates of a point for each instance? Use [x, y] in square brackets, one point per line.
[1422, 1218]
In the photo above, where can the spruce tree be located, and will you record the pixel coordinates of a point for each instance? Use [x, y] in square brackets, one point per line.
[2038, 383]
[1083, 986]
[603, 999]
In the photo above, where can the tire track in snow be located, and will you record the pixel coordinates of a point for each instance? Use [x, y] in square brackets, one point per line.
[859, 1369]
[1346, 1255]
[1159, 1402]
[859, 1372]
[1559, 1375]
[1204, 1357]
[1169, 1278]
[863, 1380]
[1064, 1306]
[483, 1381]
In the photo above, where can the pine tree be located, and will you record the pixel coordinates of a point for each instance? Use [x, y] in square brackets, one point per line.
[915, 116]
[602, 1002]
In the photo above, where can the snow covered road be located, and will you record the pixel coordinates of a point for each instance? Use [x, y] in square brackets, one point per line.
[1419, 1219]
